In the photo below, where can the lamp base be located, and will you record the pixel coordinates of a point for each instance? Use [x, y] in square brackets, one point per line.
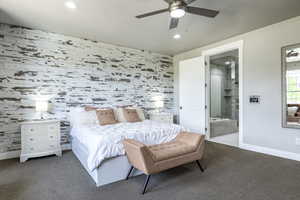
[42, 116]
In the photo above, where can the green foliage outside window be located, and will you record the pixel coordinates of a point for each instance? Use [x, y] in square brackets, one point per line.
[293, 89]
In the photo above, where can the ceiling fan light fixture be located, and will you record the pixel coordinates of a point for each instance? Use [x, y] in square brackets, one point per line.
[70, 4]
[177, 13]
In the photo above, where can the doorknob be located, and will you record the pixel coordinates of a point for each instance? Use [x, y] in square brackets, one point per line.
[180, 107]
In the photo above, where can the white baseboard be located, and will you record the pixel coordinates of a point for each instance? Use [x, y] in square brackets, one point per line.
[270, 151]
[66, 147]
[16, 154]
[9, 155]
[250, 147]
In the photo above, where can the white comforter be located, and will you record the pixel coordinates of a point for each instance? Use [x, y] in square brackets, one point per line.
[106, 141]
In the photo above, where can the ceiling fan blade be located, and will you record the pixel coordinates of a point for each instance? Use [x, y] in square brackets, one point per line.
[174, 23]
[189, 1]
[152, 13]
[202, 11]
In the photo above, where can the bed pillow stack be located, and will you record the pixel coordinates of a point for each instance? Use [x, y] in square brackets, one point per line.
[90, 115]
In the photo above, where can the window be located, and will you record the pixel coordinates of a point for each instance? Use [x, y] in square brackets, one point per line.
[293, 87]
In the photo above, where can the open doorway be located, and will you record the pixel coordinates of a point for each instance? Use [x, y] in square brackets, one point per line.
[223, 91]
[224, 97]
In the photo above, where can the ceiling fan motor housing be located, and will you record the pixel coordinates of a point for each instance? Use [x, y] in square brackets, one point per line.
[177, 5]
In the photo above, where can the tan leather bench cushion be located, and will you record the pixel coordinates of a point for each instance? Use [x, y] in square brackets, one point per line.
[170, 150]
[185, 148]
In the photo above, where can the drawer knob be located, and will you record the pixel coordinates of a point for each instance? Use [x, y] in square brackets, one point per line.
[31, 129]
[31, 139]
[51, 136]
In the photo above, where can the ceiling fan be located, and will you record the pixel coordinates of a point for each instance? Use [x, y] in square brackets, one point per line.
[178, 8]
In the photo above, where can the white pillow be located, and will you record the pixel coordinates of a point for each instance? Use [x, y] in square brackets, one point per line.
[120, 115]
[78, 116]
[292, 111]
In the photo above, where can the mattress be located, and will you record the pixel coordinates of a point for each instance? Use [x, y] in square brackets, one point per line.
[103, 142]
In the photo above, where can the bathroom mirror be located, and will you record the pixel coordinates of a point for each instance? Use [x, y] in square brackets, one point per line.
[291, 86]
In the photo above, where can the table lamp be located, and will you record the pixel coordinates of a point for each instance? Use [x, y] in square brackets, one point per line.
[41, 106]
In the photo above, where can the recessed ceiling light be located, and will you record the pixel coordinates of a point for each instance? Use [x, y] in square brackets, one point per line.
[177, 36]
[70, 4]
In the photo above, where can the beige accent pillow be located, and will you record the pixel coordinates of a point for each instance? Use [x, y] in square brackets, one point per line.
[120, 113]
[140, 113]
[131, 115]
[106, 117]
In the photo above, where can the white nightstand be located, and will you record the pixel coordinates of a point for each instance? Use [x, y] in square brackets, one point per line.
[162, 117]
[40, 138]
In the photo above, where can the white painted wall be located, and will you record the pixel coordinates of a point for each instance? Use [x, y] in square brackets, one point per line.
[262, 76]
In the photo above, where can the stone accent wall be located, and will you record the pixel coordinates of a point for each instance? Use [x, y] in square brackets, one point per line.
[77, 72]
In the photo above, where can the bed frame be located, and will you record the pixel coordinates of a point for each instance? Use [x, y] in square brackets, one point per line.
[111, 170]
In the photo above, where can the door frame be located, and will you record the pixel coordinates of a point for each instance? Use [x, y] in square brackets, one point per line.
[238, 45]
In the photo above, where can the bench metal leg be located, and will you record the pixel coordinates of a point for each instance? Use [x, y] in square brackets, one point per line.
[129, 172]
[146, 183]
[199, 165]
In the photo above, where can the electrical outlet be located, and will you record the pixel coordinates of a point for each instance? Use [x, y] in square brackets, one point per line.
[297, 141]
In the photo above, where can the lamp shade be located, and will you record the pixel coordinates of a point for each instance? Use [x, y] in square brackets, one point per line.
[159, 104]
[41, 106]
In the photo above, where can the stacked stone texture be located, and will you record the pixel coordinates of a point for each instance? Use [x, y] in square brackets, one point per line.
[76, 72]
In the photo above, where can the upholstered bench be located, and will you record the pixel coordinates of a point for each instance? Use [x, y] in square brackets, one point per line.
[185, 148]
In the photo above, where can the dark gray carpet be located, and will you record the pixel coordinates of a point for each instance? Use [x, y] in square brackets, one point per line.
[230, 174]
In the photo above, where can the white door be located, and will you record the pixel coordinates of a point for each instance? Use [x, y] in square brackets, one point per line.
[192, 94]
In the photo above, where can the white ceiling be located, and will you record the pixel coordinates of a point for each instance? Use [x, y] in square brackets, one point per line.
[113, 21]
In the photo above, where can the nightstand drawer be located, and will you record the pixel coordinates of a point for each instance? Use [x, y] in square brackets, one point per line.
[30, 130]
[53, 128]
[52, 146]
[27, 149]
[35, 147]
[52, 136]
[31, 140]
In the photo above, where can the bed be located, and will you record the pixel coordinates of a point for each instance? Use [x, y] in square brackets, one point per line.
[100, 149]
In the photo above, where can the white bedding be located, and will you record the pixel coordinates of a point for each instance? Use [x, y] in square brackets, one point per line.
[105, 142]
